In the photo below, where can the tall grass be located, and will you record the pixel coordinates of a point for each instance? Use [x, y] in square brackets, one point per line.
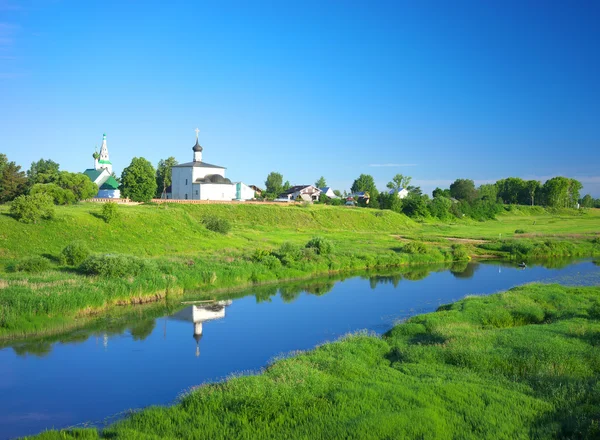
[520, 364]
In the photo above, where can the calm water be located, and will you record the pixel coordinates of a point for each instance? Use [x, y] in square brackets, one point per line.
[90, 376]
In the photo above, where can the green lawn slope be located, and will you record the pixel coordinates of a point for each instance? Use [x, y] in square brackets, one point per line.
[516, 365]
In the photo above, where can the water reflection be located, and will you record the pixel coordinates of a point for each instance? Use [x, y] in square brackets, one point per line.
[198, 314]
[140, 321]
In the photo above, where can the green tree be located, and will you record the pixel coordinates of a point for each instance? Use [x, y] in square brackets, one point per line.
[440, 207]
[587, 201]
[398, 182]
[59, 195]
[488, 192]
[366, 183]
[575, 187]
[463, 189]
[438, 192]
[163, 175]
[556, 192]
[78, 184]
[31, 208]
[42, 171]
[138, 180]
[415, 205]
[337, 192]
[286, 185]
[321, 183]
[513, 190]
[273, 184]
[12, 180]
[533, 187]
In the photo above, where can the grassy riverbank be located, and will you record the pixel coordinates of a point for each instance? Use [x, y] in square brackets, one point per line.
[159, 251]
[520, 364]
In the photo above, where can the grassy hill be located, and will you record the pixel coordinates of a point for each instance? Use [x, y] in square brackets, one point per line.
[154, 251]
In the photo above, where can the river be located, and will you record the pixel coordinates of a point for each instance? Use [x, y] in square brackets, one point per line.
[92, 377]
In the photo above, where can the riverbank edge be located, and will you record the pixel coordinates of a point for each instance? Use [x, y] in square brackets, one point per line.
[518, 307]
[87, 317]
[263, 275]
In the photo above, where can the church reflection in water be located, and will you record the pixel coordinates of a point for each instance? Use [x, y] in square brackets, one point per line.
[197, 315]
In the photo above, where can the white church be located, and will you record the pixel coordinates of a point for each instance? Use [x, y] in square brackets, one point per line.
[101, 174]
[198, 180]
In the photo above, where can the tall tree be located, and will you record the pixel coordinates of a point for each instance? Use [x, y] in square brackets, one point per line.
[533, 187]
[274, 184]
[12, 180]
[488, 192]
[138, 180]
[366, 183]
[463, 189]
[163, 175]
[398, 182]
[556, 192]
[513, 190]
[286, 185]
[42, 171]
[77, 183]
[587, 201]
[321, 183]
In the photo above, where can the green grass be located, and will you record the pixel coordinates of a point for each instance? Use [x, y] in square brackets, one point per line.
[175, 251]
[520, 364]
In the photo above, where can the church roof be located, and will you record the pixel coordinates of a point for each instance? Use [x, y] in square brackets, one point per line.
[111, 183]
[197, 164]
[93, 174]
[213, 178]
[197, 147]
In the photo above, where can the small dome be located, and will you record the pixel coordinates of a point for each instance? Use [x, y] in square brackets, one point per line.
[197, 147]
[213, 178]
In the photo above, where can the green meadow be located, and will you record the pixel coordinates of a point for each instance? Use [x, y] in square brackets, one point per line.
[157, 252]
[520, 364]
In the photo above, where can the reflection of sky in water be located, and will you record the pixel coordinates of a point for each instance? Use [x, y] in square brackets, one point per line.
[91, 377]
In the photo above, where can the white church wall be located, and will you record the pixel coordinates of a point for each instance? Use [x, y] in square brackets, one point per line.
[181, 183]
[244, 193]
[201, 172]
[215, 191]
[109, 194]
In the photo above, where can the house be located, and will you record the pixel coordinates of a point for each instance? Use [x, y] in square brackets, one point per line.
[198, 180]
[402, 192]
[307, 193]
[101, 174]
[257, 191]
[328, 192]
[361, 196]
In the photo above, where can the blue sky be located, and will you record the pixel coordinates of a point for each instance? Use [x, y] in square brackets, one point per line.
[435, 90]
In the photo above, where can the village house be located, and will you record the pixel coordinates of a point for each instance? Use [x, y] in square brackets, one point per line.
[402, 192]
[307, 193]
[327, 191]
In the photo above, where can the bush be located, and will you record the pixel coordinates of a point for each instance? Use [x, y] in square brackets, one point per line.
[110, 212]
[30, 209]
[271, 261]
[415, 247]
[519, 231]
[33, 264]
[260, 254]
[59, 195]
[321, 245]
[75, 253]
[459, 252]
[112, 265]
[217, 224]
[289, 253]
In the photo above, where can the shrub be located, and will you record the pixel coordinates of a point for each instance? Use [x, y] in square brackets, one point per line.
[321, 245]
[459, 252]
[595, 240]
[110, 212]
[271, 261]
[260, 254]
[217, 224]
[415, 247]
[519, 231]
[289, 253]
[113, 265]
[33, 264]
[75, 253]
[30, 209]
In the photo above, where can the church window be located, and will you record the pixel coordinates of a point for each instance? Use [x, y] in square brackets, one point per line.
[186, 181]
[186, 196]
[196, 192]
